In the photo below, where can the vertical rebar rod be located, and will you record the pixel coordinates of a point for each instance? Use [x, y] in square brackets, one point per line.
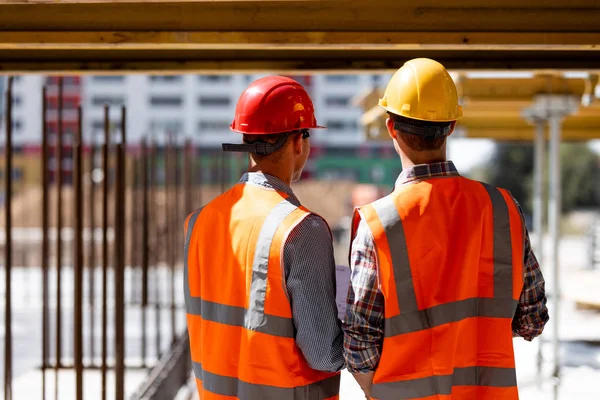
[155, 250]
[8, 246]
[119, 270]
[171, 212]
[167, 211]
[222, 174]
[134, 282]
[120, 239]
[145, 246]
[105, 177]
[58, 225]
[197, 162]
[188, 173]
[78, 260]
[59, 204]
[92, 248]
[45, 242]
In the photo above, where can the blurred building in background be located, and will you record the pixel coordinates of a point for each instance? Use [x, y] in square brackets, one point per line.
[198, 107]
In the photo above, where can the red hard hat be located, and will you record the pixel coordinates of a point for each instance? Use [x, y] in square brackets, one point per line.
[274, 104]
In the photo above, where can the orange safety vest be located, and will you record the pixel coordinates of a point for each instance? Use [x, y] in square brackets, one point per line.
[450, 255]
[238, 314]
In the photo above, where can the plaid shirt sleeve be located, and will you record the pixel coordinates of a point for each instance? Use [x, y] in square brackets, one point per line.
[532, 313]
[363, 324]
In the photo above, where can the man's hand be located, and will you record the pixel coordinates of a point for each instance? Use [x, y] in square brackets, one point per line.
[365, 381]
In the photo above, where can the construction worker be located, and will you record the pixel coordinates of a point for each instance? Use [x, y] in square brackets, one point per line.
[443, 275]
[259, 267]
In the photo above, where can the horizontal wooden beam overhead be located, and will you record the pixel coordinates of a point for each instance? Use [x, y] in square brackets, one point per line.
[525, 134]
[296, 35]
[298, 40]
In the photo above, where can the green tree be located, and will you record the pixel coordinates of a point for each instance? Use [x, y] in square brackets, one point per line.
[511, 167]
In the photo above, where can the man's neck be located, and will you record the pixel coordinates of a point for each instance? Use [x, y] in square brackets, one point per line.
[273, 171]
[421, 158]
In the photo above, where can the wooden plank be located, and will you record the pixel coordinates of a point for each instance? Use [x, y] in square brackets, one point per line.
[334, 15]
[297, 40]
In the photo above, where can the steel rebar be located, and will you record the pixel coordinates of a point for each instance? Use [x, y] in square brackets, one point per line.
[45, 242]
[120, 239]
[145, 246]
[78, 260]
[59, 205]
[105, 177]
[8, 245]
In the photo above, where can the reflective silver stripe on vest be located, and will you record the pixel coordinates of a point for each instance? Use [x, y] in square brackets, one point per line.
[256, 319]
[442, 384]
[230, 386]
[411, 319]
[253, 318]
[449, 312]
[394, 234]
[192, 304]
[503, 269]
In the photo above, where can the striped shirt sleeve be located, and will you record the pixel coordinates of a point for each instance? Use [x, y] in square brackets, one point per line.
[309, 267]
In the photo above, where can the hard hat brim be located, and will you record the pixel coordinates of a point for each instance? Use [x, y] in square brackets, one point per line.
[274, 132]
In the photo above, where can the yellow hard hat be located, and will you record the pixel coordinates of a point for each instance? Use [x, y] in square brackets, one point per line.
[422, 89]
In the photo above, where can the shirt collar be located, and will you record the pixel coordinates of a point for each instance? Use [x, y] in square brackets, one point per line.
[426, 171]
[269, 182]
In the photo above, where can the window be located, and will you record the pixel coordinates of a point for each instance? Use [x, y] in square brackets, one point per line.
[166, 101]
[338, 125]
[70, 104]
[67, 80]
[341, 78]
[98, 125]
[169, 125]
[16, 100]
[376, 79]
[111, 101]
[17, 126]
[109, 78]
[337, 101]
[214, 78]
[166, 78]
[213, 125]
[17, 173]
[214, 101]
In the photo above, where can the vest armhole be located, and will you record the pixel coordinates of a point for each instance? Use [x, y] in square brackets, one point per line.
[357, 218]
[282, 235]
[513, 208]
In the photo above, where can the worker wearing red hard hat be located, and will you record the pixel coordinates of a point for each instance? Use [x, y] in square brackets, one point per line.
[443, 275]
[259, 268]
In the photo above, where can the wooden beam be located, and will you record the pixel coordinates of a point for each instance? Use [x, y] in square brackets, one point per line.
[527, 134]
[297, 40]
[514, 16]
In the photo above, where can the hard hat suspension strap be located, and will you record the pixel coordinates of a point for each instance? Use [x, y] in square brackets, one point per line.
[260, 148]
[425, 129]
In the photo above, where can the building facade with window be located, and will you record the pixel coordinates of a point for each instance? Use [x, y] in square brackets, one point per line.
[199, 107]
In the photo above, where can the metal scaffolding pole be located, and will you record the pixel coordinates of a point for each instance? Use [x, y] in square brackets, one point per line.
[554, 211]
[538, 206]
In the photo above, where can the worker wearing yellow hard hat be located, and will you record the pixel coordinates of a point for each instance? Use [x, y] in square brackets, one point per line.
[443, 275]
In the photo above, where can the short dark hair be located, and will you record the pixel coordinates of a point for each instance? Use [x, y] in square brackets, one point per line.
[421, 142]
[271, 138]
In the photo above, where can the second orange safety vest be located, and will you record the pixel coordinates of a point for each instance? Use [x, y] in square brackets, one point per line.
[238, 314]
[450, 255]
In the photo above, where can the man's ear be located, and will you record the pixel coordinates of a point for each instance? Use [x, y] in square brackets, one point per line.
[389, 123]
[297, 143]
[452, 126]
